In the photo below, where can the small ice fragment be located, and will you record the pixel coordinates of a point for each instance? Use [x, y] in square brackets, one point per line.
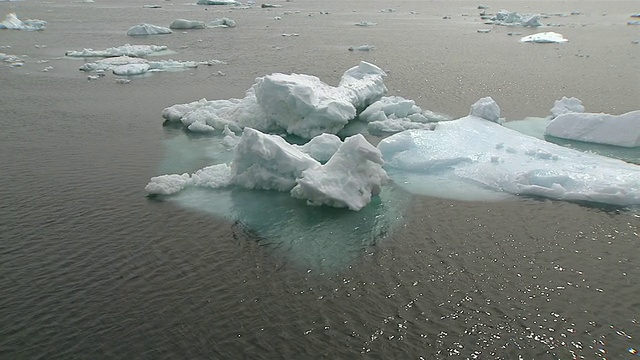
[362, 48]
[544, 37]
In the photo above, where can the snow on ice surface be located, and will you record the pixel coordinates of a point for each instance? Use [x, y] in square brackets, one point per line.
[125, 50]
[148, 29]
[618, 130]
[475, 158]
[12, 22]
[298, 104]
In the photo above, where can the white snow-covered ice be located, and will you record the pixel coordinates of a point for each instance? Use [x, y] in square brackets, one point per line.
[476, 157]
[148, 29]
[297, 104]
[124, 50]
[12, 22]
[566, 105]
[544, 37]
[351, 176]
[125, 65]
[221, 23]
[186, 24]
[617, 130]
[481, 159]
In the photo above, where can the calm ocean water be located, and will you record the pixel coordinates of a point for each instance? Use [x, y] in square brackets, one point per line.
[92, 268]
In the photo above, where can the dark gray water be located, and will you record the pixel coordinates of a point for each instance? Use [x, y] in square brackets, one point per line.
[92, 268]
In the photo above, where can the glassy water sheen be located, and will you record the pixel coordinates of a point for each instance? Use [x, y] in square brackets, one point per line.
[92, 268]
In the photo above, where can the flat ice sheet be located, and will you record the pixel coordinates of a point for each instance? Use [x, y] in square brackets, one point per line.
[475, 159]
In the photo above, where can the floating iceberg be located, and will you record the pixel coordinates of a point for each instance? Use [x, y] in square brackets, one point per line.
[12, 22]
[349, 179]
[512, 18]
[544, 37]
[298, 104]
[261, 161]
[125, 65]
[221, 23]
[148, 29]
[125, 50]
[186, 24]
[566, 105]
[478, 159]
[618, 130]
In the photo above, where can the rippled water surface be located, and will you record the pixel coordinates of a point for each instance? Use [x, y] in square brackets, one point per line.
[92, 268]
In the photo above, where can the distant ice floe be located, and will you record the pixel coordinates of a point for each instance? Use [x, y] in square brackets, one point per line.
[618, 130]
[544, 37]
[218, 2]
[297, 104]
[125, 65]
[148, 29]
[221, 23]
[125, 50]
[12, 22]
[362, 48]
[186, 24]
[472, 158]
[12, 60]
[512, 18]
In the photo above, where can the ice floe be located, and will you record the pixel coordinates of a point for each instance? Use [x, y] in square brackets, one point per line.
[125, 50]
[544, 37]
[617, 130]
[351, 176]
[512, 18]
[125, 65]
[566, 105]
[186, 24]
[472, 158]
[221, 23]
[217, 2]
[297, 104]
[477, 157]
[148, 29]
[12, 22]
